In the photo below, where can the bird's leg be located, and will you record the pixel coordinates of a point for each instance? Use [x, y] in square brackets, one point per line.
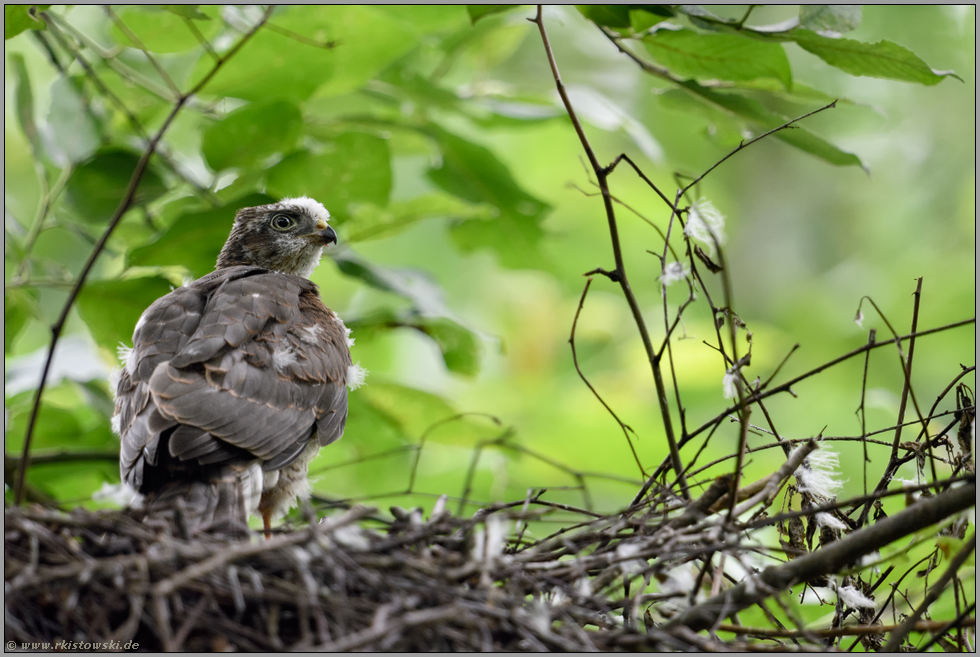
[267, 522]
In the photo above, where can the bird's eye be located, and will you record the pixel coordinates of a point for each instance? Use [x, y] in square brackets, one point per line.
[282, 222]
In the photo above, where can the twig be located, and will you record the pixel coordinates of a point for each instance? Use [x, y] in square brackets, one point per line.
[623, 157]
[111, 59]
[243, 550]
[787, 386]
[907, 367]
[201, 39]
[425, 434]
[137, 126]
[860, 411]
[775, 482]
[49, 196]
[946, 391]
[829, 559]
[959, 623]
[571, 341]
[745, 144]
[906, 363]
[898, 636]
[833, 506]
[855, 630]
[66, 456]
[139, 44]
[295, 36]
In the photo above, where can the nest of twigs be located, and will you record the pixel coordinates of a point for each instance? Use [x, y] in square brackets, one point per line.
[353, 581]
[448, 583]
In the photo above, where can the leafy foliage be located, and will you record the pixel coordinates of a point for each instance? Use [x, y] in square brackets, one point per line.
[433, 136]
[884, 59]
[97, 186]
[194, 239]
[467, 215]
[251, 134]
[111, 308]
[719, 56]
[17, 18]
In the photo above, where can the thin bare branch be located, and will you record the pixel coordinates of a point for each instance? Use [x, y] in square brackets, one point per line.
[571, 341]
[620, 272]
[897, 637]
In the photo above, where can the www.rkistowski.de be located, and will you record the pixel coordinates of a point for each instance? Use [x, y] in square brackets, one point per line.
[72, 645]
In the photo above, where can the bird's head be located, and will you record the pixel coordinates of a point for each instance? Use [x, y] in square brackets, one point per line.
[287, 236]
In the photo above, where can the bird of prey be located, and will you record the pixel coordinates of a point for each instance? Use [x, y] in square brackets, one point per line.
[236, 380]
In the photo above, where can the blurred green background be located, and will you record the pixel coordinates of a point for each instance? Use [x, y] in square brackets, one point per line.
[467, 218]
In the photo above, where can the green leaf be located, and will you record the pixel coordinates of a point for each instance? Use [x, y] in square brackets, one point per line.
[488, 111]
[428, 314]
[65, 420]
[617, 16]
[726, 129]
[18, 308]
[369, 222]
[830, 18]
[186, 11]
[415, 410]
[163, 30]
[196, 238]
[808, 142]
[372, 424]
[97, 186]
[884, 59]
[25, 100]
[250, 134]
[17, 18]
[698, 11]
[97, 396]
[385, 416]
[766, 119]
[512, 237]
[356, 167]
[707, 20]
[111, 309]
[59, 252]
[719, 56]
[417, 286]
[800, 94]
[75, 131]
[368, 40]
[643, 19]
[330, 48]
[474, 173]
[477, 12]
[273, 66]
[56, 427]
[428, 19]
[510, 113]
[460, 348]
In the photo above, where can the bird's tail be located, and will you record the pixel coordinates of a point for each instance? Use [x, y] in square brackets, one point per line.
[219, 504]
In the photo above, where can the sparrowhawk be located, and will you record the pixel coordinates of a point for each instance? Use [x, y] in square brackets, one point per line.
[236, 380]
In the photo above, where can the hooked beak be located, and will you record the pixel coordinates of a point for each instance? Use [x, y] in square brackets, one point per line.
[325, 233]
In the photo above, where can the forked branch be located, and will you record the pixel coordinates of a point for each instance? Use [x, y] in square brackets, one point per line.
[619, 272]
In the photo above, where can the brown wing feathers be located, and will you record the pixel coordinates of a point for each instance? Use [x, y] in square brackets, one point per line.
[243, 363]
